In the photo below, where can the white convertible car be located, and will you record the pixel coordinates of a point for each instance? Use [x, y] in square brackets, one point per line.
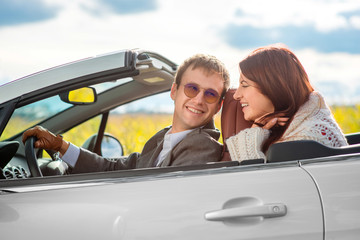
[305, 191]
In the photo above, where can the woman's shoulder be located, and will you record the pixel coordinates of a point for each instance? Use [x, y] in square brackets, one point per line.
[315, 121]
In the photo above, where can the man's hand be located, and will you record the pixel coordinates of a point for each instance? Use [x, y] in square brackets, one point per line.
[46, 139]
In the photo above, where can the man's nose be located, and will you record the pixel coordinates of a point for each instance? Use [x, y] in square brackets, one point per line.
[199, 98]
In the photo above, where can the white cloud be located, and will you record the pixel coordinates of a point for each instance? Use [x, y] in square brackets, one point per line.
[324, 15]
[355, 22]
[331, 67]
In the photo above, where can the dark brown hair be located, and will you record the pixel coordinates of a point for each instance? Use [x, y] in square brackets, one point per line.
[209, 64]
[282, 78]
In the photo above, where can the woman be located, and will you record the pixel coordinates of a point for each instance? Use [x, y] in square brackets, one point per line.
[277, 97]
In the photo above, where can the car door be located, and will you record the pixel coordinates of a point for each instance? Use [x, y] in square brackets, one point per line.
[338, 180]
[273, 201]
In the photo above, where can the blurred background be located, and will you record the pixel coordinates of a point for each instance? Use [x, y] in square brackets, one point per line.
[324, 34]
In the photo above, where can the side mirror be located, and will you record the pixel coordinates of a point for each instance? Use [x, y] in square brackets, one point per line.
[110, 146]
[81, 96]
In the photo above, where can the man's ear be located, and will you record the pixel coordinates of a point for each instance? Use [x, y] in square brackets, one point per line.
[173, 92]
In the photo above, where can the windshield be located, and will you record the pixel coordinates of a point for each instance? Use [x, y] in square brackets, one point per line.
[34, 113]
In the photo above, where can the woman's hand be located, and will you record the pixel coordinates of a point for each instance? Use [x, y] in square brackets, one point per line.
[269, 123]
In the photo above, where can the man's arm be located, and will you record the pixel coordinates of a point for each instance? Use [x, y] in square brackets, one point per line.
[86, 161]
[91, 162]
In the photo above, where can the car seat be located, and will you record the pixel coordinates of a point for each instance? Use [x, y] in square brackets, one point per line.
[232, 120]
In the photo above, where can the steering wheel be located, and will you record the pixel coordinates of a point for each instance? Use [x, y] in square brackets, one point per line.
[31, 157]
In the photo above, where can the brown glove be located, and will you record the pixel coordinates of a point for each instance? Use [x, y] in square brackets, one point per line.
[45, 139]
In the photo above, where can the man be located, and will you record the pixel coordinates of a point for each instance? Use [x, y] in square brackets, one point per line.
[200, 84]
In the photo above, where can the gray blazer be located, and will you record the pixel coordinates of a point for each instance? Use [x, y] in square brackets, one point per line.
[198, 147]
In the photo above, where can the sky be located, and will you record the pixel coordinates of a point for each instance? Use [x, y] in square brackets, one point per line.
[324, 34]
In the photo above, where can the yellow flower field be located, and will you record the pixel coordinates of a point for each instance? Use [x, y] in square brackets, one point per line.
[348, 118]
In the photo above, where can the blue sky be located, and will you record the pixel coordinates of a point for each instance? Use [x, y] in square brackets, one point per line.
[18, 12]
[339, 40]
[324, 34]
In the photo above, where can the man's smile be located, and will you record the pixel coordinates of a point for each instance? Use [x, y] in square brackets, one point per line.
[194, 110]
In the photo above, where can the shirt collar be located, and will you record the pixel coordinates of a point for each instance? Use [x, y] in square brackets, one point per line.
[175, 138]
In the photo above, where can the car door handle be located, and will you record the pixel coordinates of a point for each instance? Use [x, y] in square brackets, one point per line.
[266, 211]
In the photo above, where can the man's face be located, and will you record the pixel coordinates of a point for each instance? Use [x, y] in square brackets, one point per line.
[194, 112]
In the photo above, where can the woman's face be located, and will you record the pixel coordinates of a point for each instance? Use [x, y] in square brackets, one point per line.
[255, 104]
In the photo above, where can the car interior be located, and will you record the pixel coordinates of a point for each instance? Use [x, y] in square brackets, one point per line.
[153, 74]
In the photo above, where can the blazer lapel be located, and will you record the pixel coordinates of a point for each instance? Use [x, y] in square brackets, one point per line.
[156, 152]
[167, 160]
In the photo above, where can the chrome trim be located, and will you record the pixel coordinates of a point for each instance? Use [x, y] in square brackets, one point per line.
[336, 158]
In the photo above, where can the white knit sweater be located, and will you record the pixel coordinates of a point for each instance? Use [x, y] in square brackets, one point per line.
[313, 121]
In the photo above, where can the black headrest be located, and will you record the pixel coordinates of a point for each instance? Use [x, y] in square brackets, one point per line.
[305, 149]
